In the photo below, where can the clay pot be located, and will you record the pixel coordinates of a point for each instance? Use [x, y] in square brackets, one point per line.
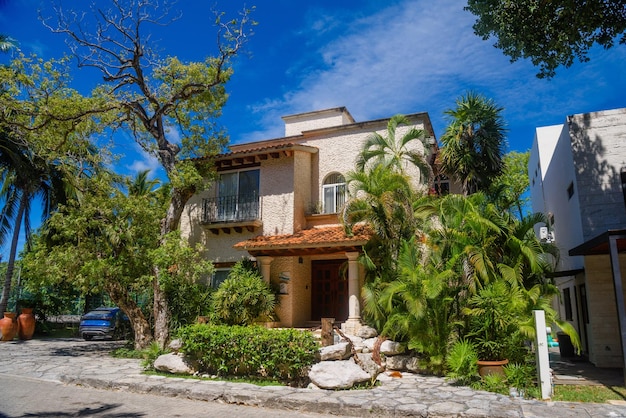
[26, 324]
[486, 368]
[8, 326]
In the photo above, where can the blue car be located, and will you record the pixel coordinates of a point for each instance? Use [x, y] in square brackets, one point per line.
[104, 322]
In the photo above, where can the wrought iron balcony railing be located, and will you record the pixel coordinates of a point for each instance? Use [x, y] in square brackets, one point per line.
[239, 208]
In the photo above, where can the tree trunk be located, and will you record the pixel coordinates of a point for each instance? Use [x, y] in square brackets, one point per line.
[161, 309]
[6, 289]
[139, 323]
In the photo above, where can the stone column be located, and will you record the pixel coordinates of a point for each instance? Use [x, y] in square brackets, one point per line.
[352, 325]
[265, 263]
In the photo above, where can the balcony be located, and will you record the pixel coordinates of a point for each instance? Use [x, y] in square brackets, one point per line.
[232, 212]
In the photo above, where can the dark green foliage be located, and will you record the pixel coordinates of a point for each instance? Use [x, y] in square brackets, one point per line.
[243, 297]
[550, 33]
[284, 354]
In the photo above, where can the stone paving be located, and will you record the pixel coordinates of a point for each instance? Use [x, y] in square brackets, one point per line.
[74, 361]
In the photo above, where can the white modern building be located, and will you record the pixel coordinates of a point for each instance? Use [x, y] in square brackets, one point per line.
[577, 173]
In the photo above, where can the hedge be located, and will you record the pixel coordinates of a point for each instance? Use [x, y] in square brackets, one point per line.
[252, 351]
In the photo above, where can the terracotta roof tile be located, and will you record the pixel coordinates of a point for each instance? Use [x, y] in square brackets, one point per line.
[309, 238]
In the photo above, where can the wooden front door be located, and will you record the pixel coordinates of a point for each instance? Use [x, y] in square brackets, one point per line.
[329, 296]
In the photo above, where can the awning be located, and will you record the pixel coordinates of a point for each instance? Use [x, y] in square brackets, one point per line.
[317, 240]
[600, 244]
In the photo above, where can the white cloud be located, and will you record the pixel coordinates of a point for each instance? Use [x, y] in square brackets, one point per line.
[141, 161]
[420, 55]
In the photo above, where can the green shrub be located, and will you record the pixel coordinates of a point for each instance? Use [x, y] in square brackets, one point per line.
[253, 351]
[522, 377]
[461, 362]
[243, 297]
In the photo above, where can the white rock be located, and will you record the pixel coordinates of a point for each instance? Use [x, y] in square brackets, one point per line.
[173, 363]
[340, 351]
[175, 345]
[391, 348]
[369, 365]
[337, 374]
[413, 365]
[369, 343]
[396, 362]
[366, 332]
[388, 347]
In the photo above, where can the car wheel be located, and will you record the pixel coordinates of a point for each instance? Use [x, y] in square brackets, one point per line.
[88, 337]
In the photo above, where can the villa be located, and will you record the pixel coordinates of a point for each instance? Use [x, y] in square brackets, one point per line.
[278, 201]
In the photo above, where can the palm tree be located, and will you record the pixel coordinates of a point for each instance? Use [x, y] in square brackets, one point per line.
[473, 142]
[396, 153]
[140, 185]
[7, 43]
[383, 200]
[25, 177]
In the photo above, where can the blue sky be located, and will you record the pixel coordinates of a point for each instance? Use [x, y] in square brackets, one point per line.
[376, 58]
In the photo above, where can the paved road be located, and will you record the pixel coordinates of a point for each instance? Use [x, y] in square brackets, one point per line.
[26, 397]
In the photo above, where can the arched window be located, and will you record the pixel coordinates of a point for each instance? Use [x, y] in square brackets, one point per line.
[334, 192]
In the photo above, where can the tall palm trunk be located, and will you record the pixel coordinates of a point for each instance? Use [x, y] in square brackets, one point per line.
[6, 289]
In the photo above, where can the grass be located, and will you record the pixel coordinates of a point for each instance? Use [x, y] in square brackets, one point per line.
[583, 393]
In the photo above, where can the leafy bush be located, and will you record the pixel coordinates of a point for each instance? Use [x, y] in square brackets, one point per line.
[522, 377]
[461, 362]
[243, 297]
[183, 270]
[253, 351]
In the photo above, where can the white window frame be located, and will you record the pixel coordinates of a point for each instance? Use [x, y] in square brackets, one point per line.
[334, 188]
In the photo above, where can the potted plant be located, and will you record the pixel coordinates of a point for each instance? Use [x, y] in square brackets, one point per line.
[494, 316]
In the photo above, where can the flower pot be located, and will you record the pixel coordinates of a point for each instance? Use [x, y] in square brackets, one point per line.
[486, 368]
[26, 324]
[8, 326]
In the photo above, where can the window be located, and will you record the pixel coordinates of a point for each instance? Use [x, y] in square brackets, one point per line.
[442, 185]
[334, 191]
[570, 190]
[238, 195]
[219, 275]
[567, 301]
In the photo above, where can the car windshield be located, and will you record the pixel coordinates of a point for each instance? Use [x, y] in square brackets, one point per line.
[98, 315]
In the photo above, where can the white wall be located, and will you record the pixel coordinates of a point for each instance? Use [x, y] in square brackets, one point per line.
[551, 171]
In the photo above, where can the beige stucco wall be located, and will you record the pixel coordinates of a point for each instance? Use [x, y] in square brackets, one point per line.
[296, 124]
[337, 153]
[295, 306]
[302, 188]
[277, 196]
[604, 336]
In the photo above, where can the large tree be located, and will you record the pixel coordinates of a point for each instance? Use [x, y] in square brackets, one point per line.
[473, 143]
[159, 100]
[550, 33]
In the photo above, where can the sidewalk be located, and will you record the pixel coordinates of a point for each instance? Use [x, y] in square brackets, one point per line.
[74, 361]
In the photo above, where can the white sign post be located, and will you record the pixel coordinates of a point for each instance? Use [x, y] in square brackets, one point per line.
[543, 360]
